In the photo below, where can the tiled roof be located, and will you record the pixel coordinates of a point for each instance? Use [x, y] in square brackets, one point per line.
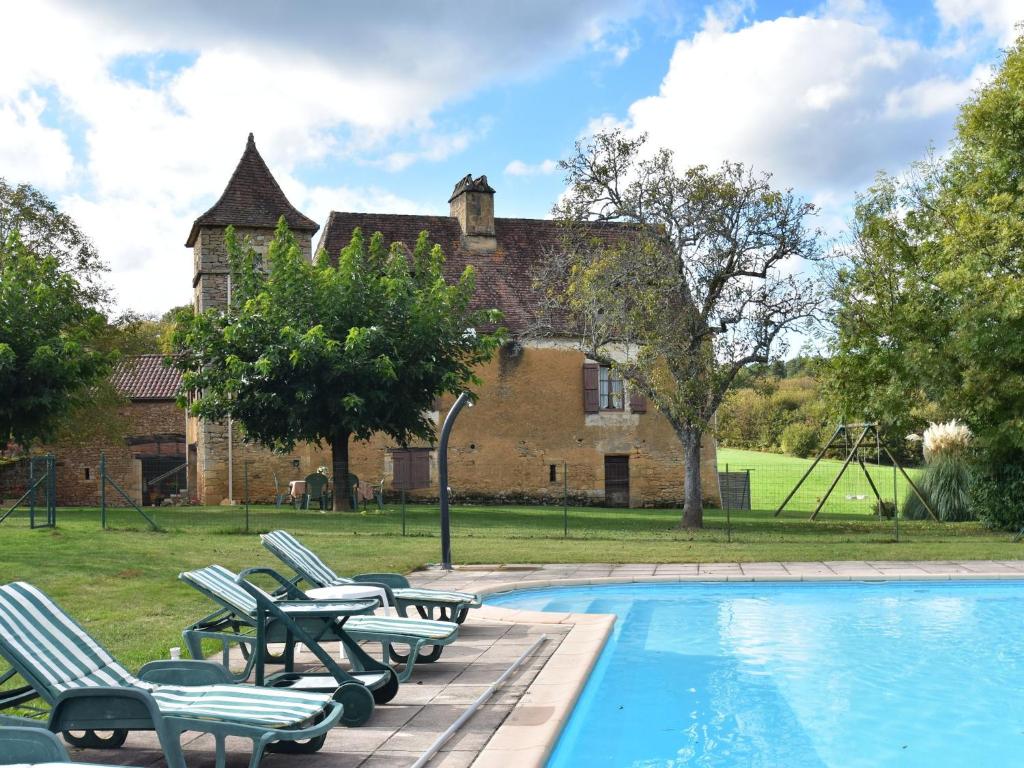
[145, 377]
[504, 278]
[252, 198]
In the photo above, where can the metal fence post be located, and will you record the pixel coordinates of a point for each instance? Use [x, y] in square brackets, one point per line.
[895, 505]
[245, 483]
[32, 494]
[565, 500]
[403, 511]
[103, 490]
[728, 517]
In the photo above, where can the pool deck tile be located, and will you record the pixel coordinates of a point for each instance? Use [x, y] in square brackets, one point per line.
[520, 723]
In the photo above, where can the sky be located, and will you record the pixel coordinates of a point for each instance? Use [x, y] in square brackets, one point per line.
[132, 114]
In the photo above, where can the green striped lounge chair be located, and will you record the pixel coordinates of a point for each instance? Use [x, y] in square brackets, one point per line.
[253, 618]
[88, 691]
[33, 747]
[448, 605]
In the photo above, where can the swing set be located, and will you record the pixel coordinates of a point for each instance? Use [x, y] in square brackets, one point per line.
[854, 453]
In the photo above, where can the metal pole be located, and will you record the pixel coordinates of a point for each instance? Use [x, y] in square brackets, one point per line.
[835, 482]
[442, 472]
[32, 496]
[103, 490]
[895, 504]
[728, 517]
[810, 469]
[565, 499]
[403, 511]
[245, 481]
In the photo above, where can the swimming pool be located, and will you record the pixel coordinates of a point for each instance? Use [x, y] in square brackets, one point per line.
[809, 674]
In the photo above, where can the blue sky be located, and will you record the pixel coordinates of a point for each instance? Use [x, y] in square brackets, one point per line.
[132, 114]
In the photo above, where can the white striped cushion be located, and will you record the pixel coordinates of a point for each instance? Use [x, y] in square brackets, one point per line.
[417, 594]
[301, 559]
[35, 631]
[401, 627]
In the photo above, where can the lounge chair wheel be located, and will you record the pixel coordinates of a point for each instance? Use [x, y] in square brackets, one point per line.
[388, 691]
[357, 701]
[96, 739]
[421, 658]
[307, 747]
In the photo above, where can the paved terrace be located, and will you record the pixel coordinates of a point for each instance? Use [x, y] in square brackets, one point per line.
[520, 723]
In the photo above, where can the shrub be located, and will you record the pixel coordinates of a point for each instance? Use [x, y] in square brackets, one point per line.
[801, 439]
[997, 490]
[946, 481]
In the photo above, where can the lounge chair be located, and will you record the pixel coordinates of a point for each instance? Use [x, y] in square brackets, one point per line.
[87, 690]
[33, 747]
[253, 618]
[450, 606]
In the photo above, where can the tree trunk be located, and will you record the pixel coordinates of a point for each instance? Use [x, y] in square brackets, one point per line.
[693, 499]
[339, 468]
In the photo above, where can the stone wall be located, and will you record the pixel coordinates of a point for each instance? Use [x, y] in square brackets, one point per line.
[78, 463]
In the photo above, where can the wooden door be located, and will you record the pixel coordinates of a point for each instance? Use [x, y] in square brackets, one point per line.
[616, 481]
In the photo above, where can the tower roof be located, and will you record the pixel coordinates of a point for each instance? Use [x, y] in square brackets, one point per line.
[252, 198]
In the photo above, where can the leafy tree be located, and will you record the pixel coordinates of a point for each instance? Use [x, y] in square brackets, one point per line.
[693, 284]
[44, 229]
[48, 325]
[932, 296]
[323, 352]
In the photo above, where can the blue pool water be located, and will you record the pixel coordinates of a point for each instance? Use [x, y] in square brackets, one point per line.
[844, 675]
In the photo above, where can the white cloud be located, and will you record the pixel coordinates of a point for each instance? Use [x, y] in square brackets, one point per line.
[313, 81]
[543, 168]
[822, 102]
[995, 17]
[30, 151]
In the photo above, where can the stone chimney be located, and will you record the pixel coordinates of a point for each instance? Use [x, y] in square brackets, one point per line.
[472, 203]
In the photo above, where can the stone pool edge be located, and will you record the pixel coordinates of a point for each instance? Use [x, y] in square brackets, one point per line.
[528, 735]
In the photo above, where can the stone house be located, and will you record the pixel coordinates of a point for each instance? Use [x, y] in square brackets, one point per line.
[148, 462]
[546, 417]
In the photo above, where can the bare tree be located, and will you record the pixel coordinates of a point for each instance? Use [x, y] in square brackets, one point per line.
[676, 280]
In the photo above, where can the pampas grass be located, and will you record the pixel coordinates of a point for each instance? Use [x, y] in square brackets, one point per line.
[946, 478]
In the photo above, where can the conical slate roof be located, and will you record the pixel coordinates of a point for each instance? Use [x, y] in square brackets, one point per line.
[252, 198]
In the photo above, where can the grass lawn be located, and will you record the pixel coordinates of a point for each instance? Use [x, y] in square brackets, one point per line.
[122, 584]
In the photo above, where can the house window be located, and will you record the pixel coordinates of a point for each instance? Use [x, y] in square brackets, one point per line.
[610, 390]
[87, 474]
[552, 473]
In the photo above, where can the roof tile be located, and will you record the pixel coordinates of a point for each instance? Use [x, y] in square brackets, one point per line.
[145, 377]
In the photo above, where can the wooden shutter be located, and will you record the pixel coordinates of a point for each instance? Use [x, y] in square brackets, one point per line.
[591, 372]
[637, 401]
[400, 468]
[419, 468]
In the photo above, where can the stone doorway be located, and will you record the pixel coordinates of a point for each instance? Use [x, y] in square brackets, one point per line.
[616, 481]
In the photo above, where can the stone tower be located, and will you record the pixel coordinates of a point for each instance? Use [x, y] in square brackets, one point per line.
[252, 203]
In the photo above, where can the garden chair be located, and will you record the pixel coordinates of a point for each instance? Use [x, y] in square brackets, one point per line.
[87, 690]
[253, 618]
[30, 746]
[316, 489]
[451, 606]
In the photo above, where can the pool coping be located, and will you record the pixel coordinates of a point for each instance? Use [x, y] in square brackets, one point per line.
[528, 735]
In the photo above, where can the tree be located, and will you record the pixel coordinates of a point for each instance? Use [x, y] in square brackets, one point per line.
[44, 229]
[48, 325]
[323, 353]
[931, 294]
[694, 283]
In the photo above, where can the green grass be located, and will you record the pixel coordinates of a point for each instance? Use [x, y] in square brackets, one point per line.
[122, 584]
[773, 476]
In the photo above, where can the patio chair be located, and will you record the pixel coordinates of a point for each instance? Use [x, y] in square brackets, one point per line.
[451, 606]
[29, 746]
[316, 489]
[292, 617]
[87, 690]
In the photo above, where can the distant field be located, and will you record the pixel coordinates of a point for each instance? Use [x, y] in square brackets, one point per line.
[773, 475]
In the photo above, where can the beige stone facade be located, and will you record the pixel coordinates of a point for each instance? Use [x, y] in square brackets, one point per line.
[529, 436]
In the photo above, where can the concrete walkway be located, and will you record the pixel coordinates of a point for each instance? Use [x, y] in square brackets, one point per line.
[518, 726]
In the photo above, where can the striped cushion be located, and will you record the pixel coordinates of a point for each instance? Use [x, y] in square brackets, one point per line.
[301, 559]
[306, 563]
[419, 595]
[40, 636]
[218, 581]
[400, 627]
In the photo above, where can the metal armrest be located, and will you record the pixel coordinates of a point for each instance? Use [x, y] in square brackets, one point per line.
[185, 672]
[392, 580]
[288, 586]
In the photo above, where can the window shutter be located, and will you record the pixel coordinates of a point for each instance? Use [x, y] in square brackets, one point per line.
[637, 401]
[590, 387]
[419, 468]
[400, 465]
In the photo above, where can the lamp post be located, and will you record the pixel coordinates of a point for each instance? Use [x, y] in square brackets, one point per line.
[442, 471]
